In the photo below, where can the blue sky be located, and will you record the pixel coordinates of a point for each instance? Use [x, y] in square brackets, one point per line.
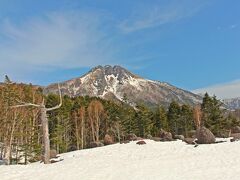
[192, 44]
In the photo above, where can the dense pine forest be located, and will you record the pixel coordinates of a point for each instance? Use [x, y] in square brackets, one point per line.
[83, 120]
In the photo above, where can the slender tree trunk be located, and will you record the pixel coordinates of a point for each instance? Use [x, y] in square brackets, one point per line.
[17, 152]
[118, 132]
[46, 141]
[93, 131]
[9, 144]
[7, 154]
[76, 130]
[176, 129]
[1, 153]
[97, 128]
[82, 126]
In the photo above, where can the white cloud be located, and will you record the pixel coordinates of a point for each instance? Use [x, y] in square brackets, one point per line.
[158, 14]
[57, 40]
[223, 91]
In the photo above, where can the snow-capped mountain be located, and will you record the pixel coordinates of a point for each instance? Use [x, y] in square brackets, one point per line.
[117, 83]
[233, 103]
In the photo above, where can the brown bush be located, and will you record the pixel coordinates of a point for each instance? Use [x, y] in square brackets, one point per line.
[165, 136]
[108, 140]
[205, 136]
[95, 144]
[132, 137]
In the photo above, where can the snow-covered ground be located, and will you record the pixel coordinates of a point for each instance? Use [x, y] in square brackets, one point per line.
[153, 161]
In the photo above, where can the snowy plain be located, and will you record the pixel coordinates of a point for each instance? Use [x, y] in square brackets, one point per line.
[153, 161]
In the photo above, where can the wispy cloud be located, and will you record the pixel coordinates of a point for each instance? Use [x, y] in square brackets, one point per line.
[233, 26]
[228, 27]
[223, 91]
[59, 39]
[157, 14]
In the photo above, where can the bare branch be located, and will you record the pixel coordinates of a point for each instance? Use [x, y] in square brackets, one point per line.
[60, 104]
[25, 105]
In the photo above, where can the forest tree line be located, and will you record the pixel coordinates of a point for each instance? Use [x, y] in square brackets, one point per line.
[83, 120]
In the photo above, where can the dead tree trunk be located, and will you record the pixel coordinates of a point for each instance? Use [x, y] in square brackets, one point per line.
[44, 121]
[45, 133]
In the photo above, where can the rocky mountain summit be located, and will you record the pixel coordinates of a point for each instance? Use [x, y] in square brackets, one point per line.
[117, 83]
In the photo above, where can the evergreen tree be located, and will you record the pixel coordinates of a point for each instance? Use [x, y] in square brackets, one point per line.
[212, 113]
[144, 120]
[160, 121]
[173, 115]
[187, 122]
[60, 124]
[7, 80]
[206, 108]
[128, 119]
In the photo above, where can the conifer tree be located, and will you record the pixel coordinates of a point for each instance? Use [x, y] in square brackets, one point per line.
[173, 115]
[186, 122]
[212, 113]
[7, 80]
[144, 120]
[160, 121]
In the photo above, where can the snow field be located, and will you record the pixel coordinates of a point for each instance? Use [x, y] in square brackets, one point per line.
[153, 161]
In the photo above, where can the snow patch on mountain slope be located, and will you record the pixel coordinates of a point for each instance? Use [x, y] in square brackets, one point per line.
[112, 86]
[85, 78]
[155, 82]
[136, 82]
[75, 89]
[94, 90]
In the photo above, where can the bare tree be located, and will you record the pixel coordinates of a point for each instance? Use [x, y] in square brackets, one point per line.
[115, 128]
[75, 117]
[9, 139]
[44, 121]
[82, 115]
[79, 121]
[197, 113]
[95, 112]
